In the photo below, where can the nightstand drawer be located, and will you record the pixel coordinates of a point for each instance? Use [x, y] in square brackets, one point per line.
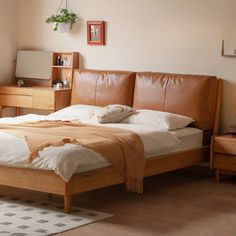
[225, 144]
[224, 162]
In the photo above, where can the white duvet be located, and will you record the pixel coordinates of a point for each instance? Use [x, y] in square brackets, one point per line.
[69, 159]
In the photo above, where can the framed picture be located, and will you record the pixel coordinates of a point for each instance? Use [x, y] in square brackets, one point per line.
[96, 32]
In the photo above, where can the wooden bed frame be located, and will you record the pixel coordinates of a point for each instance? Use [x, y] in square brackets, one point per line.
[49, 182]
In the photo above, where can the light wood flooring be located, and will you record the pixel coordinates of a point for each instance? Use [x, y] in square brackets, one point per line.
[182, 203]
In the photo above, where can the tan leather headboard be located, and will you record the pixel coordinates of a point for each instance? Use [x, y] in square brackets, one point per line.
[189, 95]
[93, 87]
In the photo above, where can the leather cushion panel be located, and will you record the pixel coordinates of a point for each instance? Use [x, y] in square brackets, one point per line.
[149, 90]
[95, 87]
[189, 95]
[193, 96]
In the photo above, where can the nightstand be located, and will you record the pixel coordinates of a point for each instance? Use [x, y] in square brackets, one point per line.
[223, 154]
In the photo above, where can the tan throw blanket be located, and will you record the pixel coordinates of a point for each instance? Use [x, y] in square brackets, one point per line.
[122, 148]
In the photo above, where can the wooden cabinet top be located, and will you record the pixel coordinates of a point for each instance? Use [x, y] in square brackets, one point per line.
[14, 89]
[225, 144]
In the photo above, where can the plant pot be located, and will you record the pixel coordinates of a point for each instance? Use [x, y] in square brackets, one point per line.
[63, 27]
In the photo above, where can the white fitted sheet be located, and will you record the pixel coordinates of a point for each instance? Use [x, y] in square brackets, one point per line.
[69, 159]
[189, 138]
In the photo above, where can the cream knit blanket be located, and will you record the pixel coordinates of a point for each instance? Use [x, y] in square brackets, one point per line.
[123, 149]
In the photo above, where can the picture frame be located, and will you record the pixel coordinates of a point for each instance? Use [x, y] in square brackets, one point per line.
[96, 33]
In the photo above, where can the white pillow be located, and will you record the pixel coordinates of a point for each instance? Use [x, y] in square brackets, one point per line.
[111, 113]
[74, 112]
[162, 121]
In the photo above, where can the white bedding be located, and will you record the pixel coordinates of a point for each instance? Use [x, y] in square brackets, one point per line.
[69, 159]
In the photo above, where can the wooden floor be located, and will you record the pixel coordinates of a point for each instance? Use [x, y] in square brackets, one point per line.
[182, 203]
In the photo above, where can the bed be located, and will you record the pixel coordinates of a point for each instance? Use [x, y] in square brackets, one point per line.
[195, 96]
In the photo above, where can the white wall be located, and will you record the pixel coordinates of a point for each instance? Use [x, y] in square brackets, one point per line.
[8, 42]
[8, 38]
[182, 36]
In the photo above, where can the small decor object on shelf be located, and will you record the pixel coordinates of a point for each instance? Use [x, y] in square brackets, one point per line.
[58, 62]
[96, 32]
[57, 84]
[20, 82]
[66, 83]
[63, 21]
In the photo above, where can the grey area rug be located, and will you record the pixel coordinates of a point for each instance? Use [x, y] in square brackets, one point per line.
[19, 217]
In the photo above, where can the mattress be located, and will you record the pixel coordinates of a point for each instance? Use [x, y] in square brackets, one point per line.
[69, 159]
[189, 138]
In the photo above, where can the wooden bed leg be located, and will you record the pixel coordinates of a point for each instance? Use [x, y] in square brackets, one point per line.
[67, 203]
[217, 174]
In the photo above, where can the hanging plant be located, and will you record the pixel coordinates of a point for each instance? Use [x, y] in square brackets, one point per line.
[63, 21]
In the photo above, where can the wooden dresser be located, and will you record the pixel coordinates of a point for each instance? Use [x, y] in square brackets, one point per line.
[34, 97]
[39, 93]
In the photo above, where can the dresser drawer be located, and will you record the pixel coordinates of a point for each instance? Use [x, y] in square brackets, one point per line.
[14, 90]
[224, 162]
[15, 100]
[43, 99]
[34, 97]
[225, 144]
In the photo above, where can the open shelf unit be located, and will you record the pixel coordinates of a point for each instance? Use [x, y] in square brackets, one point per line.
[58, 72]
[65, 69]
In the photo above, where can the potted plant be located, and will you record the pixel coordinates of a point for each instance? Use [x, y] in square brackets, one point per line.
[63, 21]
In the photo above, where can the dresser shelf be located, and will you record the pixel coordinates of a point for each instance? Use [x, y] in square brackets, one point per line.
[62, 67]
